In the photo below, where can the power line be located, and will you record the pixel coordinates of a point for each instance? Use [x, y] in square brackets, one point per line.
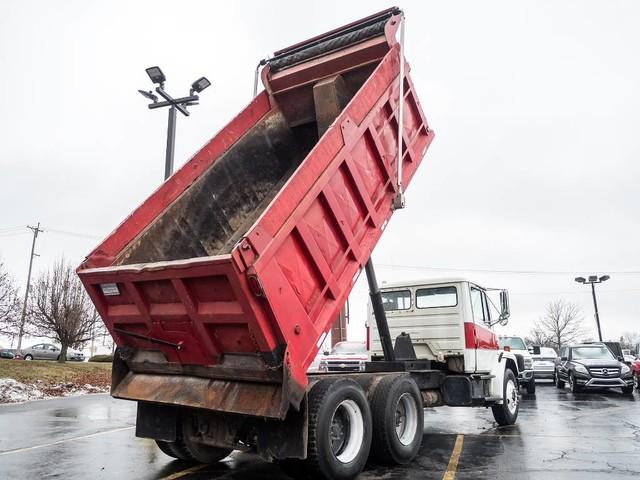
[73, 234]
[516, 272]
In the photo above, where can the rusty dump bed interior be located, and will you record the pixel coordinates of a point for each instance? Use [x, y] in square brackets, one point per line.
[219, 288]
[216, 210]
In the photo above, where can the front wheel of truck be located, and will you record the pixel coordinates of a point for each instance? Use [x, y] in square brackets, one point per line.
[506, 413]
[339, 432]
[398, 420]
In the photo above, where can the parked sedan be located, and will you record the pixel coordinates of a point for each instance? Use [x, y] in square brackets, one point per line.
[544, 363]
[592, 366]
[47, 351]
[7, 353]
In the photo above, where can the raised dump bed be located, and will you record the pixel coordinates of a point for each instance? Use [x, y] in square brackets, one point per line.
[229, 275]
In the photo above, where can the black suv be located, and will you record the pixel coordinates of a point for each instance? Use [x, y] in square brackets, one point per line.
[591, 365]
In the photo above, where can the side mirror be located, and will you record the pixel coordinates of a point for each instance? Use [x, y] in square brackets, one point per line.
[325, 353]
[536, 350]
[620, 359]
[563, 359]
[504, 308]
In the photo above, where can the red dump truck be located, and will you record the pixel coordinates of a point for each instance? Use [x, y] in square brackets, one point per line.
[220, 288]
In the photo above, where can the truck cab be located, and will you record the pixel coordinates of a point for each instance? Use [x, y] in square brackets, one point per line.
[450, 321]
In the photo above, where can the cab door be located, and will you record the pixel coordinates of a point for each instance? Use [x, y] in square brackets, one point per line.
[486, 341]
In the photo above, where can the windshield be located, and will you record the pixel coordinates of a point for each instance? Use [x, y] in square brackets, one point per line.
[515, 343]
[547, 352]
[587, 353]
[348, 347]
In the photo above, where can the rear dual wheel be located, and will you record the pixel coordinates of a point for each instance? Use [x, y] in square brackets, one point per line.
[339, 431]
[187, 447]
[398, 420]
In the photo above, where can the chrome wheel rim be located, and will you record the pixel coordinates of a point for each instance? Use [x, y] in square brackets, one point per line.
[406, 419]
[346, 431]
[511, 396]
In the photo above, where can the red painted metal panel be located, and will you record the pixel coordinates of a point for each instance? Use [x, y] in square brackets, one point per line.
[477, 336]
[285, 281]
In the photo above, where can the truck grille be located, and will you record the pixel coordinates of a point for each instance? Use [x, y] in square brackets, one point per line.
[605, 372]
[344, 366]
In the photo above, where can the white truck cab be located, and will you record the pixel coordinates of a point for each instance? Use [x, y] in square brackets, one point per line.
[450, 323]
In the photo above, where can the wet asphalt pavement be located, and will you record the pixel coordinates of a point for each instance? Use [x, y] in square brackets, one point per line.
[558, 436]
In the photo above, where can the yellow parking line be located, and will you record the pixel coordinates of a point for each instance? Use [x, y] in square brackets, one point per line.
[182, 473]
[450, 473]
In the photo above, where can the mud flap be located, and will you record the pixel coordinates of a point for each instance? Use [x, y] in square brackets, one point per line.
[156, 421]
[456, 391]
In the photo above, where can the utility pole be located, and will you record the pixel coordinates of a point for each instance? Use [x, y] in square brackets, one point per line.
[35, 230]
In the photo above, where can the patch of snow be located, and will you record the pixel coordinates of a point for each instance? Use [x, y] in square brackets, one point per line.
[12, 391]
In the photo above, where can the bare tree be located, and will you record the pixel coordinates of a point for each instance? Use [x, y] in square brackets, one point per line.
[538, 337]
[561, 324]
[9, 304]
[61, 309]
[629, 340]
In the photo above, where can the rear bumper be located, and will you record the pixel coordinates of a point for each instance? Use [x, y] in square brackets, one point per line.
[543, 373]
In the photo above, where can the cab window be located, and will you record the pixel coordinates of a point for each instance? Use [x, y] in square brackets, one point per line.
[477, 305]
[436, 297]
[396, 300]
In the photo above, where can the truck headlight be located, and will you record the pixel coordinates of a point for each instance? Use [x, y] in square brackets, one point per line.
[581, 369]
[322, 366]
[624, 370]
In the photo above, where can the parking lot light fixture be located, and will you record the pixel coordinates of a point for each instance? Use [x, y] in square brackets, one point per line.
[592, 280]
[200, 84]
[175, 105]
[156, 75]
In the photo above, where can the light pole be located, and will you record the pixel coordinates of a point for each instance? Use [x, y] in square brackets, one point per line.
[174, 104]
[592, 280]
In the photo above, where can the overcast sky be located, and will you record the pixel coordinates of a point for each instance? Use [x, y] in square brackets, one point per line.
[535, 105]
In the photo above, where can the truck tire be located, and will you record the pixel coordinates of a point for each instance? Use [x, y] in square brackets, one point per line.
[175, 449]
[169, 448]
[506, 413]
[339, 431]
[198, 451]
[627, 390]
[531, 386]
[398, 420]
